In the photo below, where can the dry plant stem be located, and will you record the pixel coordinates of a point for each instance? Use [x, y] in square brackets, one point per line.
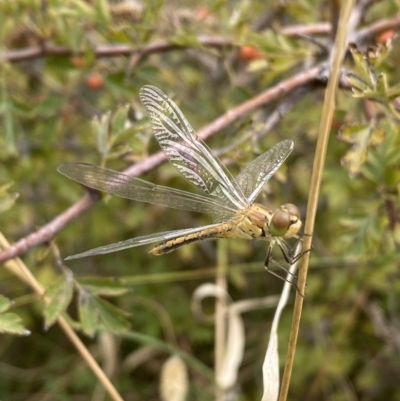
[299, 30]
[273, 119]
[319, 161]
[18, 268]
[159, 46]
[104, 51]
[378, 27]
[220, 314]
[47, 232]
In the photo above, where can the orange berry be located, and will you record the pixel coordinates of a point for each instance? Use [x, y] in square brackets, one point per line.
[249, 53]
[94, 81]
[78, 62]
[202, 12]
[385, 35]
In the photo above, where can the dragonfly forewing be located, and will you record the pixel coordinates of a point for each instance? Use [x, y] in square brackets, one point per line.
[188, 153]
[114, 182]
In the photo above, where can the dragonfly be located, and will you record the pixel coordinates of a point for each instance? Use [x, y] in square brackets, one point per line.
[230, 201]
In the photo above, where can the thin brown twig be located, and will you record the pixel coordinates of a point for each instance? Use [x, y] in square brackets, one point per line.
[47, 232]
[312, 29]
[159, 46]
[272, 120]
[356, 18]
[377, 27]
[102, 51]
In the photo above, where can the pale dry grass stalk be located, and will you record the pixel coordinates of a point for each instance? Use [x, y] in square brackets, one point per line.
[220, 313]
[271, 359]
[319, 161]
[17, 267]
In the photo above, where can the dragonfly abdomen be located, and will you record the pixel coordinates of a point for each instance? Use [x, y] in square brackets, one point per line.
[226, 230]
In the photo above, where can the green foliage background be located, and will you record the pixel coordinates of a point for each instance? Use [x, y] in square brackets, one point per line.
[349, 342]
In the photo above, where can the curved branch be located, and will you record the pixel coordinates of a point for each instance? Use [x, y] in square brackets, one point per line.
[377, 27]
[301, 30]
[102, 51]
[47, 232]
[159, 46]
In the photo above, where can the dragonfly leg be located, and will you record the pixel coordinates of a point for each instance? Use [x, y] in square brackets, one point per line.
[268, 259]
[285, 279]
[285, 252]
[288, 252]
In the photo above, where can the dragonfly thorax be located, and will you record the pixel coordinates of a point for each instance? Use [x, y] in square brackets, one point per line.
[259, 221]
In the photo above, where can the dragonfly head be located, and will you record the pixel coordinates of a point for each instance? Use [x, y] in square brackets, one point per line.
[285, 222]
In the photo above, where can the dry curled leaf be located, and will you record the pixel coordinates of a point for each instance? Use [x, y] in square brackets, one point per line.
[174, 380]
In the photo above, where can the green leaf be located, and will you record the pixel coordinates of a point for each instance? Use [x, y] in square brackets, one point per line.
[96, 313]
[11, 323]
[112, 318]
[7, 201]
[362, 67]
[49, 105]
[9, 129]
[382, 86]
[185, 39]
[101, 128]
[359, 86]
[103, 11]
[119, 120]
[365, 81]
[5, 304]
[119, 150]
[118, 85]
[137, 135]
[59, 296]
[362, 137]
[394, 91]
[109, 286]
[88, 313]
[80, 9]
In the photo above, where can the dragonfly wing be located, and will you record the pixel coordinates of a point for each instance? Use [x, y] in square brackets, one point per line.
[114, 182]
[254, 175]
[188, 153]
[138, 241]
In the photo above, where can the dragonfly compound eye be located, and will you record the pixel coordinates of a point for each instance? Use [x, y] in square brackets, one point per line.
[280, 223]
[293, 210]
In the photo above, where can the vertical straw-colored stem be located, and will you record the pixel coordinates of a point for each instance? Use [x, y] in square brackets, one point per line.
[220, 307]
[319, 161]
